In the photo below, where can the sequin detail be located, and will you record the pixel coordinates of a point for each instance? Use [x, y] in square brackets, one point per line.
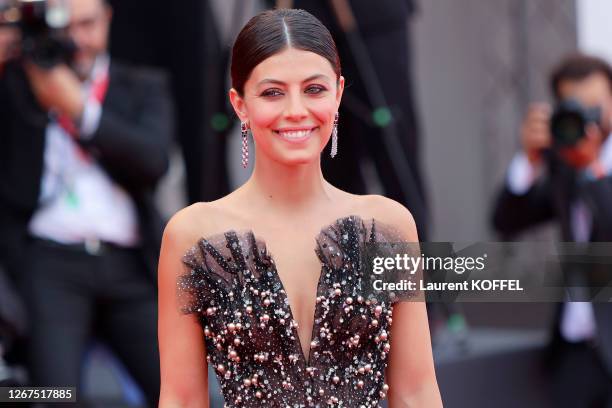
[251, 336]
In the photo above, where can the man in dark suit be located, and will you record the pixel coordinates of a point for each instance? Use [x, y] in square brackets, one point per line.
[188, 46]
[572, 185]
[82, 146]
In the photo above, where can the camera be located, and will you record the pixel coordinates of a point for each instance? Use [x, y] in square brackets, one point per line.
[43, 24]
[569, 121]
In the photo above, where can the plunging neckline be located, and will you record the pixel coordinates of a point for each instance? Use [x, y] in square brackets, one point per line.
[355, 219]
[296, 332]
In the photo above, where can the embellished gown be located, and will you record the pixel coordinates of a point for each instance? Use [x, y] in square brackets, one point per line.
[251, 336]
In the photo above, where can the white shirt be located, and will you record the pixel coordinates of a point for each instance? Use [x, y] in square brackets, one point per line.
[577, 321]
[78, 200]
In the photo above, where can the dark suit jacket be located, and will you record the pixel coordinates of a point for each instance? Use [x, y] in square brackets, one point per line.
[131, 143]
[384, 14]
[549, 199]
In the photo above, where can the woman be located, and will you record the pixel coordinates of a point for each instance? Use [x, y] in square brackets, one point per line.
[288, 329]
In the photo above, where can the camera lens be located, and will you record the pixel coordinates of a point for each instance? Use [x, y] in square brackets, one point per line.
[568, 128]
[569, 121]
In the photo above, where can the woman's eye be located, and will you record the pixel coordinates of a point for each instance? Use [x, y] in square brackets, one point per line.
[316, 89]
[271, 92]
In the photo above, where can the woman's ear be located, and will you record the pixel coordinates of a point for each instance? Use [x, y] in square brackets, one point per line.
[340, 91]
[238, 104]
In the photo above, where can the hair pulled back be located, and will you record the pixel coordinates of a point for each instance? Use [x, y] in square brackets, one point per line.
[271, 32]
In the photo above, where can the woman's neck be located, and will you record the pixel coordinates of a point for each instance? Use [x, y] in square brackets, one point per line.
[288, 188]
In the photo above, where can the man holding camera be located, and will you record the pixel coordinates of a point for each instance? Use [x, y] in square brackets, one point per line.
[83, 141]
[564, 172]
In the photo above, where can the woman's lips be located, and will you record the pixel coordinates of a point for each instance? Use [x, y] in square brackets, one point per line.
[295, 135]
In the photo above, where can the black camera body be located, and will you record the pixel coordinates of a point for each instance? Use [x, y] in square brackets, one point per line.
[43, 25]
[569, 122]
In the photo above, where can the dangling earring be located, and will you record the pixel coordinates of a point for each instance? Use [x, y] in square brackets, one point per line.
[334, 146]
[244, 129]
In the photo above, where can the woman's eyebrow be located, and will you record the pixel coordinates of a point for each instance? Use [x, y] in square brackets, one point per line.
[317, 76]
[270, 81]
[279, 82]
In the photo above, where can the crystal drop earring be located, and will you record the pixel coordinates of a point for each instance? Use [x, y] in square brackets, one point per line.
[244, 129]
[334, 146]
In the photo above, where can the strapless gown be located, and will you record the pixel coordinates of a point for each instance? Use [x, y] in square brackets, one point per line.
[231, 283]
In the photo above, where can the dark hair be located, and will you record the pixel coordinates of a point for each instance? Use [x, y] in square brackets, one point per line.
[577, 67]
[272, 31]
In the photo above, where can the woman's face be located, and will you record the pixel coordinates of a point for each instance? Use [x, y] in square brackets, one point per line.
[289, 102]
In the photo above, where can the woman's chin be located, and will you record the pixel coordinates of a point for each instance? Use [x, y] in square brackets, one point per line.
[297, 157]
[295, 154]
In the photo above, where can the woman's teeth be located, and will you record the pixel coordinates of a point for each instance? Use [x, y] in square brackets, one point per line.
[294, 134]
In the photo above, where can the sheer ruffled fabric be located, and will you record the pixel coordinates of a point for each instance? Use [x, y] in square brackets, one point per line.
[251, 336]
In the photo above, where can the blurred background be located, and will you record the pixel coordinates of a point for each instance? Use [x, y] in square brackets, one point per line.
[470, 70]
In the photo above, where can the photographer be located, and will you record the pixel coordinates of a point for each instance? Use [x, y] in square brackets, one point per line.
[563, 173]
[83, 141]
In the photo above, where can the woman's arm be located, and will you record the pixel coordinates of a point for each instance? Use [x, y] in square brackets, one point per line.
[184, 374]
[410, 372]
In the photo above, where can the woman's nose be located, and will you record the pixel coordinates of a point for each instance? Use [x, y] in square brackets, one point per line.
[295, 109]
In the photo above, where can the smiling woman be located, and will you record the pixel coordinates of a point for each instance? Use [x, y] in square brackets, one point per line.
[289, 103]
[286, 84]
[294, 328]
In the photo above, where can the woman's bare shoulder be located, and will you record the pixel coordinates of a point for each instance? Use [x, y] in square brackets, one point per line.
[190, 224]
[389, 212]
[374, 206]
